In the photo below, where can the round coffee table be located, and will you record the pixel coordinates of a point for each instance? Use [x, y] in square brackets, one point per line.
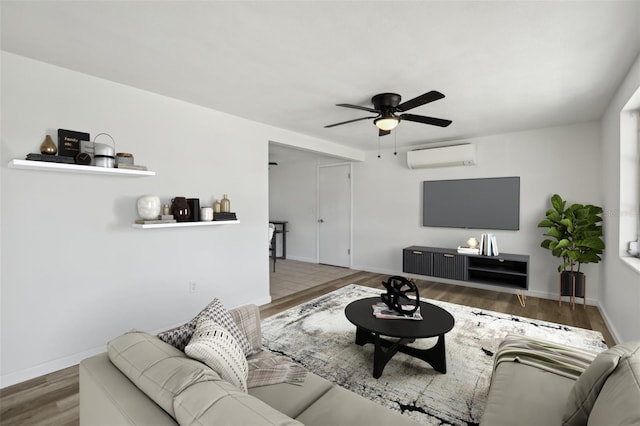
[436, 322]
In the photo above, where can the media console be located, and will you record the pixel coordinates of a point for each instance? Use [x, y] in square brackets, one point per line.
[508, 270]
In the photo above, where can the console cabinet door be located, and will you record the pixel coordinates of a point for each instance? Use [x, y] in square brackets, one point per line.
[416, 262]
[450, 265]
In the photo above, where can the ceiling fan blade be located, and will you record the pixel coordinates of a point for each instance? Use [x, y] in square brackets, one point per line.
[375, 111]
[420, 100]
[426, 120]
[348, 121]
[384, 132]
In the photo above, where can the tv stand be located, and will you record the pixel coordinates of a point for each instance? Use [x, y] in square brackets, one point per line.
[508, 270]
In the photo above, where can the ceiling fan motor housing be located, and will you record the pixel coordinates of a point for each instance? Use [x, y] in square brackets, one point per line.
[386, 101]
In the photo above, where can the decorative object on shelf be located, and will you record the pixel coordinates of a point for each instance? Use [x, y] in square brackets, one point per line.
[48, 146]
[49, 158]
[225, 204]
[69, 142]
[84, 159]
[124, 158]
[154, 221]
[165, 210]
[468, 250]
[488, 245]
[575, 237]
[132, 167]
[206, 214]
[180, 209]
[149, 207]
[472, 243]
[396, 295]
[194, 209]
[104, 154]
[224, 216]
[87, 147]
[216, 206]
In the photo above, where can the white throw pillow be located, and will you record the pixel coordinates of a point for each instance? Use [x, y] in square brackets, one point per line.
[214, 345]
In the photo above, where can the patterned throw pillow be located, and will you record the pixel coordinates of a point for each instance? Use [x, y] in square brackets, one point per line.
[180, 336]
[215, 346]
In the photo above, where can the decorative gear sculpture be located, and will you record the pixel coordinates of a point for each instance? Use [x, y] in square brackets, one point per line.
[396, 295]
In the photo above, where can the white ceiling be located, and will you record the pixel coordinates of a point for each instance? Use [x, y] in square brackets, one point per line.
[503, 66]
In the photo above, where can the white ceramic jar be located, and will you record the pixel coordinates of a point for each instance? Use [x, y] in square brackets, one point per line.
[149, 207]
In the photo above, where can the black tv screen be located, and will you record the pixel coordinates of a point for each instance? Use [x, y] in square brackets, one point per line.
[489, 203]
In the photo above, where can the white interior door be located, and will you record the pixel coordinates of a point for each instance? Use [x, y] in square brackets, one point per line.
[334, 215]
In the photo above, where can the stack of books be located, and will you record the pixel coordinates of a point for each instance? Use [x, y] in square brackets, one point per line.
[225, 216]
[381, 310]
[50, 158]
[468, 250]
[489, 245]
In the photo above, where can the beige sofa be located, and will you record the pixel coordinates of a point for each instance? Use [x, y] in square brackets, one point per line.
[607, 393]
[142, 380]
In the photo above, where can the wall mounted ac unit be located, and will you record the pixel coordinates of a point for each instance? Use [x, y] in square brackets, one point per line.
[444, 156]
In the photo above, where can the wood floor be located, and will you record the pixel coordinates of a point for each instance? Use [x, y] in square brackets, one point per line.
[53, 399]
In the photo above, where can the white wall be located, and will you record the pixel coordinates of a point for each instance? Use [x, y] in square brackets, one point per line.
[74, 273]
[620, 295]
[388, 213]
[292, 197]
[387, 199]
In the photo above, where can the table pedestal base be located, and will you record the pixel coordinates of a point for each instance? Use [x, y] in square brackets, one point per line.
[384, 350]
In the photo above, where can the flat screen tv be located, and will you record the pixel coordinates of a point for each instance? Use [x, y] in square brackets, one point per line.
[488, 203]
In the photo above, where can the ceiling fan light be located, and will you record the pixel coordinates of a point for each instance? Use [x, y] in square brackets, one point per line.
[386, 123]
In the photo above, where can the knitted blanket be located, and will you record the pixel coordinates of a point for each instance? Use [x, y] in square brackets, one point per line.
[267, 368]
[563, 360]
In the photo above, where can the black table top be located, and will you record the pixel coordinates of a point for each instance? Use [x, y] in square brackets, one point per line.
[435, 320]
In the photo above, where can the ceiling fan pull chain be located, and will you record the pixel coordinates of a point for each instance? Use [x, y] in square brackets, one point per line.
[378, 146]
[395, 142]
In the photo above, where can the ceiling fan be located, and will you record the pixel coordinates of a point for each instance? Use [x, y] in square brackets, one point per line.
[387, 105]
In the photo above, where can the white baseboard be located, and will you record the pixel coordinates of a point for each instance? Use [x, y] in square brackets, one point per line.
[48, 367]
[614, 333]
[75, 359]
[300, 259]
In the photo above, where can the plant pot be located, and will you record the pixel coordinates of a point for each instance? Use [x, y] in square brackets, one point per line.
[566, 283]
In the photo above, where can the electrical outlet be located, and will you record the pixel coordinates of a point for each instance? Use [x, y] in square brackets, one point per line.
[193, 287]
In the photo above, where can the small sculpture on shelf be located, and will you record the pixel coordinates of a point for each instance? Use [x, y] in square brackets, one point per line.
[225, 204]
[180, 209]
[149, 207]
[48, 146]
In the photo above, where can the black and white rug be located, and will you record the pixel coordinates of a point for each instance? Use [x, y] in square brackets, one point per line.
[317, 335]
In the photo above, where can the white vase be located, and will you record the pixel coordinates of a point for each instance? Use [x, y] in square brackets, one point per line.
[149, 207]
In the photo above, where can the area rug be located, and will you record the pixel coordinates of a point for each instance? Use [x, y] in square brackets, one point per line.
[317, 335]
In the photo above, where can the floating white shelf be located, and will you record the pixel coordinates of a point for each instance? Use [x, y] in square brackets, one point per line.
[184, 224]
[75, 168]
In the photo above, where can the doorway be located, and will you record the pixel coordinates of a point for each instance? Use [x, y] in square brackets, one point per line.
[334, 214]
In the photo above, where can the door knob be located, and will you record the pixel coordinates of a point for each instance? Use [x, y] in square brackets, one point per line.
[320, 220]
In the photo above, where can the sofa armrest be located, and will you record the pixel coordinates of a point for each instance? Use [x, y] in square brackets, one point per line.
[247, 318]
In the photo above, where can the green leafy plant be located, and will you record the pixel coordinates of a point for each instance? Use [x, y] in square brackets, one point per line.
[575, 233]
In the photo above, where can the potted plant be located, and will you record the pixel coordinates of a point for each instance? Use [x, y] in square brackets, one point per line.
[575, 236]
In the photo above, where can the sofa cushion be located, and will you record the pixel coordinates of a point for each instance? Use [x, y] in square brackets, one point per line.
[180, 336]
[156, 368]
[221, 404]
[293, 399]
[212, 344]
[525, 396]
[587, 388]
[619, 400]
[340, 406]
